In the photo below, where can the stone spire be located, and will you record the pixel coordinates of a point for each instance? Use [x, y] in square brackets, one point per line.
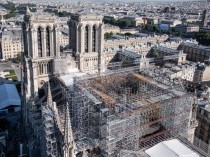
[68, 143]
[49, 96]
[28, 12]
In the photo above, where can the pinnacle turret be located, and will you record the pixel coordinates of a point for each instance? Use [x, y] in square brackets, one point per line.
[68, 142]
[28, 12]
[49, 97]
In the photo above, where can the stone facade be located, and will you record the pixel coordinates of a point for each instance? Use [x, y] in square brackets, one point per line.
[139, 41]
[202, 72]
[41, 46]
[10, 44]
[195, 52]
[86, 33]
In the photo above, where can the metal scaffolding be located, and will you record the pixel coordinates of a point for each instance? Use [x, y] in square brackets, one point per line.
[127, 111]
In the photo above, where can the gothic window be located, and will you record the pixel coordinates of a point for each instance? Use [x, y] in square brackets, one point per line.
[94, 39]
[39, 70]
[42, 68]
[39, 37]
[48, 41]
[49, 67]
[86, 39]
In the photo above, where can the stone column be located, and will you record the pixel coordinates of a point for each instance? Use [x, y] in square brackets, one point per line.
[82, 41]
[43, 35]
[101, 55]
[77, 39]
[51, 44]
[57, 41]
[70, 27]
[28, 78]
[97, 37]
[35, 77]
[33, 44]
[90, 35]
[101, 38]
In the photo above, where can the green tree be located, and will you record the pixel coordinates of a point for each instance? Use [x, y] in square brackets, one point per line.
[149, 27]
[108, 35]
[10, 15]
[9, 6]
[203, 38]
[18, 58]
[127, 23]
[114, 21]
[63, 14]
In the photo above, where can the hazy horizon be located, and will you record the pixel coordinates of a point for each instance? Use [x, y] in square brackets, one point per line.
[118, 1]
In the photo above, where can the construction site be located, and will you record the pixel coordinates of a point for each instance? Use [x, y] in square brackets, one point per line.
[126, 111]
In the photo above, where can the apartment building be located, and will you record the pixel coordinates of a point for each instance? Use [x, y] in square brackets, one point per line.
[202, 72]
[202, 133]
[173, 71]
[64, 39]
[10, 43]
[161, 51]
[134, 41]
[195, 52]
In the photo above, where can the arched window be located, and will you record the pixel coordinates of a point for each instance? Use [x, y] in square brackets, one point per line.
[48, 41]
[86, 39]
[49, 67]
[94, 39]
[42, 69]
[39, 37]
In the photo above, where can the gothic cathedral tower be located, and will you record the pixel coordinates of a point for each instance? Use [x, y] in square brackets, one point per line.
[41, 46]
[86, 37]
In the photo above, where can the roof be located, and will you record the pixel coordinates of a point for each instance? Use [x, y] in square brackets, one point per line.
[130, 54]
[171, 148]
[68, 79]
[9, 96]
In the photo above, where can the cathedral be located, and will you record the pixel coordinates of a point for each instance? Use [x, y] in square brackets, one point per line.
[43, 64]
[73, 106]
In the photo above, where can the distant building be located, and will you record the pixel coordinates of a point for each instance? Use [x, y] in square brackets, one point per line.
[134, 41]
[111, 28]
[206, 29]
[64, 39]
[202, 72]
[172, 71]
[10, 43]
[195, 52]
[170, 22]
[151, 21]
[135, 20]
[163, 51]
[110, 17]
[186, 28]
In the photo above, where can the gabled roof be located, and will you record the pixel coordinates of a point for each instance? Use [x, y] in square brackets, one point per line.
[9, 96]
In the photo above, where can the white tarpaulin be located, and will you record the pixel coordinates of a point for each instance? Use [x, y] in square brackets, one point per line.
[171, 148]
